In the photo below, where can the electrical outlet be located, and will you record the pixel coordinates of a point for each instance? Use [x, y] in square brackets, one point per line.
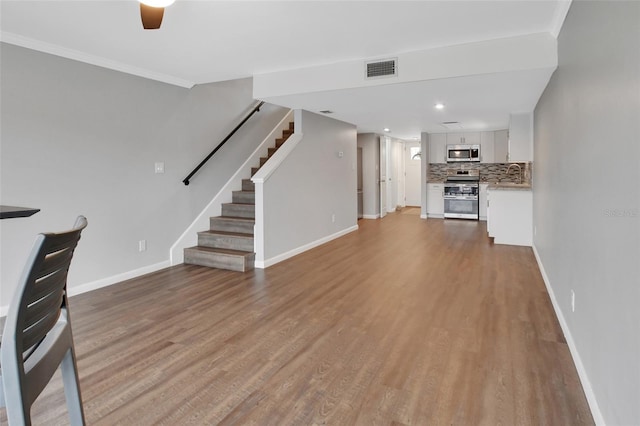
[573, 301]
[159, 167]
[333, 218]
[142, 245]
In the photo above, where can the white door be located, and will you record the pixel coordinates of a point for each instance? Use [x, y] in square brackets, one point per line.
[383, 176]
[398, 154]
[412, 170]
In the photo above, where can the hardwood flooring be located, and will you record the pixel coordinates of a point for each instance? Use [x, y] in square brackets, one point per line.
[404, 322]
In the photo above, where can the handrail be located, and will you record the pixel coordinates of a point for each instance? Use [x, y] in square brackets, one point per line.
[194, 171]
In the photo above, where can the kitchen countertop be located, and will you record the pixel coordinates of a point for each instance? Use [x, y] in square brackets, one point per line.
[509, 186]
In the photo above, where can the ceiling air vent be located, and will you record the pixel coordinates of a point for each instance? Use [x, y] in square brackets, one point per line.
[452, 125]
[383, 68]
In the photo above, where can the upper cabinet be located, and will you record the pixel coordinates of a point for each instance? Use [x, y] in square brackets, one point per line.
[487, 147]
[521, 137]
[437, 147]
[501, 146]
[493, 145]
[463, 138]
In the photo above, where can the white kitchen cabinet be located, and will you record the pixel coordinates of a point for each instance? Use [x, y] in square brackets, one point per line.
[521, 137]
[510, 216]
[501, 146]
[459, 138]
[437, 147]
[435, 200]
[487, 147]
[482, 201]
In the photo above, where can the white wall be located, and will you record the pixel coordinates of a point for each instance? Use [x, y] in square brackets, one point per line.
[79, 139]
[370, 144]
[587, 200]
[313, 184]
[500, 55]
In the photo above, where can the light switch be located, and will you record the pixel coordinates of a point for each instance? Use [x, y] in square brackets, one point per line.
[159, 167]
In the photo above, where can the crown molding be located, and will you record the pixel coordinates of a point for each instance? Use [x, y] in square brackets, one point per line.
[76, 55]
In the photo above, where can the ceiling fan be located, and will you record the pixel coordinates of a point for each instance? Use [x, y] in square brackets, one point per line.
[152, 11]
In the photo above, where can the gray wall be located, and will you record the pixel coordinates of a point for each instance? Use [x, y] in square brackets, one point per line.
[370, 144]
[310, 186]
[79, 139]
[587, 198]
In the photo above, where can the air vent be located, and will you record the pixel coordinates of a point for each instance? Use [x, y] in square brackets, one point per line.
[326, 111]
[452, 125]
[384, 68]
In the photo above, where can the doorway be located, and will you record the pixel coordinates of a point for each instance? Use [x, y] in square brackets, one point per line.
[412, 162]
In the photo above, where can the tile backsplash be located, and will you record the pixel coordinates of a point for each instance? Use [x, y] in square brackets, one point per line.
[490, 172]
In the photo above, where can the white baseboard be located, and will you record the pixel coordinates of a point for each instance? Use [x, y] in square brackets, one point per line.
[582, 373]
[301, 249]
[423, 216]
[370, 216]
[105, 282]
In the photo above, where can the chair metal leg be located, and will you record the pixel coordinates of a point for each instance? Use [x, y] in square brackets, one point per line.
[72, 388]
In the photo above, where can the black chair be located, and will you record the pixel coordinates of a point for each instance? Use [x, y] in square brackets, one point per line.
[37, 335]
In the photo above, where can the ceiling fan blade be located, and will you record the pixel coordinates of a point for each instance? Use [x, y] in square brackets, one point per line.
[151, 16]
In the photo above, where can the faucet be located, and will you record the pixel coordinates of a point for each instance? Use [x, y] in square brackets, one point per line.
[519, 171]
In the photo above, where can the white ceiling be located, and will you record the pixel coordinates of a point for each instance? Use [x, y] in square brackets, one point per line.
[208, 41]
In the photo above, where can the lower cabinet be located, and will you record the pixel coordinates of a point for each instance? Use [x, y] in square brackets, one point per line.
[482, 201]
[510, 217]
[435, 200]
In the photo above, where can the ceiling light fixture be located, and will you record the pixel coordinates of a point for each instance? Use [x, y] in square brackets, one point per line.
[157, 3]
[152, 11]
[386, 129]
[439, 105]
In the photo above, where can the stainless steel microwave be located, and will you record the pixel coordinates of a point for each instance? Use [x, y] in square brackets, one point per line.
[457, 153]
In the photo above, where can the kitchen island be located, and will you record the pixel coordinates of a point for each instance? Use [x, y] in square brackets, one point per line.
[510, 213]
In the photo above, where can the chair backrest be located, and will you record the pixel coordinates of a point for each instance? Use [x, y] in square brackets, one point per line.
[41, 294]
[37, 336]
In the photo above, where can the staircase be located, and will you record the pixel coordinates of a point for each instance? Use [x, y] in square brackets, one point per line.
[228, 244]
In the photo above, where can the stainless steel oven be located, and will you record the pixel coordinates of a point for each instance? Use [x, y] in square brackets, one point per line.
[461, 195]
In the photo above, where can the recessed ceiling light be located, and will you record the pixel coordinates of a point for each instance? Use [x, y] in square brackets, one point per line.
[439, 105]
[386, 129]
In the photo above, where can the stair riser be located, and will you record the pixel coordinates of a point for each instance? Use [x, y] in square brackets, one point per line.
[244, 197]
[247, 185]
[225, 242]
[222, 224]
[254, 170]
[239, 210]
[221, 261]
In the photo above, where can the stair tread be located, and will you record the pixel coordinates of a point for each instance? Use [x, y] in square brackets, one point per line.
[239, 204]
[227, 233]
[229, 252]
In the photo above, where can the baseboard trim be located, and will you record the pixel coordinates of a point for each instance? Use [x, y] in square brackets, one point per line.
[284, 256]
[114, 279]
[370, 216]
[105, 282]
[582, 373]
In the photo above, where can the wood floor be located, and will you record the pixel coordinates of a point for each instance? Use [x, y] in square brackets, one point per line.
[404, 322]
